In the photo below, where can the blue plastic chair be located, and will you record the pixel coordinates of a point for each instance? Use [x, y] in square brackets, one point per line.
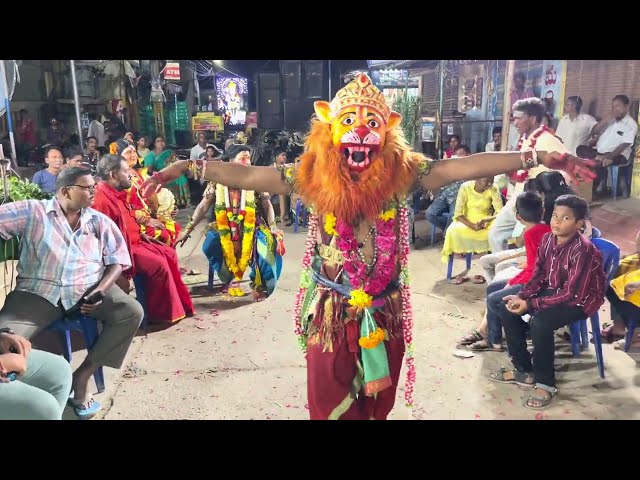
[614, 171]
[450, 265]
[579, 336]
[433, 227]
[630, 328]
[89, 328]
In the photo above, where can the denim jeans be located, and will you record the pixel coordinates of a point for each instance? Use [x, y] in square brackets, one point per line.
[499, 290]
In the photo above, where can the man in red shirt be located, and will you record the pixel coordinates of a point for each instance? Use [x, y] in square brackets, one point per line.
[567, 284]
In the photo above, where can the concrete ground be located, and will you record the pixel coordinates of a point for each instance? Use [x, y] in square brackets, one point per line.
[239, 360]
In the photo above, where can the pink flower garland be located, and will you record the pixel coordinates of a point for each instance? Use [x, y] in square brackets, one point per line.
[376, 282]
[306, 264]
[407, 311]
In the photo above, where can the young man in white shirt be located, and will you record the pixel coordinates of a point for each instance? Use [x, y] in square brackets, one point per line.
[494, 146]
[527, 115]
[575, 127]
[613, 138]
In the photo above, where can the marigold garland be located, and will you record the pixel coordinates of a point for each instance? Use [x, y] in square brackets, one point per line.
[223, 216]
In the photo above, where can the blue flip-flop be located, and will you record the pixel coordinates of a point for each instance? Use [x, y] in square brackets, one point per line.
[84, 409]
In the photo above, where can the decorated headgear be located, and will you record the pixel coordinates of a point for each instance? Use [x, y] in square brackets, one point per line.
[118, 146]
[360, 91]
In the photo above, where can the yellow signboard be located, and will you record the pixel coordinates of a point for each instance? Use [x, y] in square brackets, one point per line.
[207, 121]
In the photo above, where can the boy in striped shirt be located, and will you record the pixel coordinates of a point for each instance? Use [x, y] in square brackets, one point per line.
[567, 285]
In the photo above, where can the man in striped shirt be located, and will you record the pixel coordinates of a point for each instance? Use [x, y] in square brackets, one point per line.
[568, 284]
[68, 253]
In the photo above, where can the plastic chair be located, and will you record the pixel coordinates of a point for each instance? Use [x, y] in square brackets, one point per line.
[630, 328]
[613, 171]
[89, 328]
[579, 336]
[450, 265]
[433, 227]
[138, 282]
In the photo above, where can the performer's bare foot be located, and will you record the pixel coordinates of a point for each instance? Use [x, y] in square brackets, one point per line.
[259, 296]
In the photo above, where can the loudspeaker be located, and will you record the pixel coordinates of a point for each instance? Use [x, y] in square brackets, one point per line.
[291, 71]
[297, 114]
[269, 101]
[314, 78]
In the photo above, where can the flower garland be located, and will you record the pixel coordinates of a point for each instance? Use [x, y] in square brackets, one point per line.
[368, 282]
[522, 175]
[226, 217]
[305, 280]
[407, 311]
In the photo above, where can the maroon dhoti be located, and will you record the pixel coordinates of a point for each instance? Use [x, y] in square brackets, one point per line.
[331, 375]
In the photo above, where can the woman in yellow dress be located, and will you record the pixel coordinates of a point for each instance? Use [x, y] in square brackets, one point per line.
[624, 297]
[477, 205]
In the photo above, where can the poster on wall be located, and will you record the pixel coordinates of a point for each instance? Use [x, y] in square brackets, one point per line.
[554, 76]
[428, 129]
[231, 93]
[207, 121]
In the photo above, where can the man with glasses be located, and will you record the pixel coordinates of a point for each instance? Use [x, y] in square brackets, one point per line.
[70, 255]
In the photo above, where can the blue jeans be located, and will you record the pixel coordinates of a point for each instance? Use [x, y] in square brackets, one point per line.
[495, 305]
[41, 393]
[436, 209]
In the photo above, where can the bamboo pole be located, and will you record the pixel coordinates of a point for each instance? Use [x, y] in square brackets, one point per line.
[506, 107]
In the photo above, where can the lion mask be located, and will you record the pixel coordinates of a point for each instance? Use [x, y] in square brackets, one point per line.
[356, 158]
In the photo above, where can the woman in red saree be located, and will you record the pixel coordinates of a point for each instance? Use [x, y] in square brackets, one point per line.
[155, 214]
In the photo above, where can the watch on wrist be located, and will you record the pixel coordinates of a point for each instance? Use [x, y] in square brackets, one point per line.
[7, 330]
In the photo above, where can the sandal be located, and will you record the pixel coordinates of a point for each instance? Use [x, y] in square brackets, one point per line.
[470, 337]
[479, 279]
[460, 280]
[543, 399]
[520, 378]
[85, 409]
[484, 346]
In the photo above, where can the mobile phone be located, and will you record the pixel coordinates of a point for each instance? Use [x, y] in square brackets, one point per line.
[95, 298]
[11, 376]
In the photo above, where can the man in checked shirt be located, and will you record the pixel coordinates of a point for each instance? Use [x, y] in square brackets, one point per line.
[68, 253]
[568, 284]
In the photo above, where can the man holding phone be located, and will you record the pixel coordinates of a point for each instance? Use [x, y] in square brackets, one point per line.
[70, 257]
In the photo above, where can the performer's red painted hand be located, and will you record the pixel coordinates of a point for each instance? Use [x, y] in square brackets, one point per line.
[579, 169]
[151, 185]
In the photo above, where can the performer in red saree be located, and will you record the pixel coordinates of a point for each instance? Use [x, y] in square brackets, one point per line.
[168, 299]
[154, 215]
[353, 310]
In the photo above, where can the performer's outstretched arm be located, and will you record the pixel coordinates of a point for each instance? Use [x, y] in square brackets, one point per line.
[489, 164]
[261, 179]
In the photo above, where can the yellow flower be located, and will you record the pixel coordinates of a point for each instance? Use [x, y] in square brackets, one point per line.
[360, 299]
[330, 224]
[236, 292]
[373, 339]
[240, 217]
[229, 215]
[388, 214]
